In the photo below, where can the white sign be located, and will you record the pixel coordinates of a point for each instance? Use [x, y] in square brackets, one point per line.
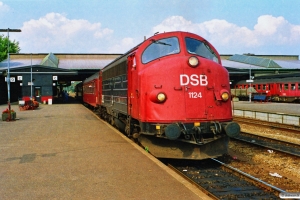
[30, 83]
[12, 79]
[55, 78]
[249, 81]
[19, 78]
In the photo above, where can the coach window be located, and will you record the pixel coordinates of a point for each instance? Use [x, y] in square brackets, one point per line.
[280, 87]
[298, 86]
[200, 48]
[258, 87]
[293, 86]
[160, 48]
[286, 86]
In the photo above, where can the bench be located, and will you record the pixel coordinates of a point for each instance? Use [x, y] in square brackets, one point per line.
[260, 97]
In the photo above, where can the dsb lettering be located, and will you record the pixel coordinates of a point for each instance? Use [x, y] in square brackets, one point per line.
[194, 80]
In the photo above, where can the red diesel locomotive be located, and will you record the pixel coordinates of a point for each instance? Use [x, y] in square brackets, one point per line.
[172, 94]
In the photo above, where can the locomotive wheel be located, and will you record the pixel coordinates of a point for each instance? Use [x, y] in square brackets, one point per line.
[111, 120]
[127, 130]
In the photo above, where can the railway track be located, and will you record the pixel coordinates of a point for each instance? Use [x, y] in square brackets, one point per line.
[270, 143]
[273, 125]
[292, 148]
[221, 181]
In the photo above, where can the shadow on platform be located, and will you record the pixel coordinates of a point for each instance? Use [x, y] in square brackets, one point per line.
[71, 100]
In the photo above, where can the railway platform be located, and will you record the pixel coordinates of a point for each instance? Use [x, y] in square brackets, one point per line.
[286, 108]
[64, 151]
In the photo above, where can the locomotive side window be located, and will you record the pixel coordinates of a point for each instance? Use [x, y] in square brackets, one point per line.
[106, 84]
[200, 48]
[124, 82]
[160, 48]
[117, 82]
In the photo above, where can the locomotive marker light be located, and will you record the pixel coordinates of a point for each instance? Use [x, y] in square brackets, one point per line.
[158, 97]
[161, 97]
[8, 74]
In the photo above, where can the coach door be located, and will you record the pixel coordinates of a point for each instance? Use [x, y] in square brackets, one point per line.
[133, 89]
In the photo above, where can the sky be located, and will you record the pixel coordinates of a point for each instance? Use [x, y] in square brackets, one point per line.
[261, 27]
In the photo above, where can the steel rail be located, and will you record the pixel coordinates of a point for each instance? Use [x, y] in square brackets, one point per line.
[249, 176]
[215, 182]
[269, 145]
[193, 182]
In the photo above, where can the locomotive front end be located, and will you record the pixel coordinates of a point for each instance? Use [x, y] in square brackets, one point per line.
[184, 96]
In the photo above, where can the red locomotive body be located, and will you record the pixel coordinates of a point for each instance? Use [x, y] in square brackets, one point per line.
[172, 94]
[92, 90]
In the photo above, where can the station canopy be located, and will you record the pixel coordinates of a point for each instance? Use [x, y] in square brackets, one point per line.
[253, 60]
[50, 60]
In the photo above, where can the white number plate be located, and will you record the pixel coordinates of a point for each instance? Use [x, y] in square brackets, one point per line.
[195, 95]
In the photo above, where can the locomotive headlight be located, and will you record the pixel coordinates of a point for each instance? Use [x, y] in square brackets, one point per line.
[225, 96]
[193, 61]
[161, 97]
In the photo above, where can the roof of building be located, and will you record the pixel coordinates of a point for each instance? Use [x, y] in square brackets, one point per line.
[62, 61]
[253, 60]
[244, 62]
[234, 63]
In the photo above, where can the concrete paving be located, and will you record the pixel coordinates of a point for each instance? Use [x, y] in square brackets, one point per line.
[64, 151]
[288, 108]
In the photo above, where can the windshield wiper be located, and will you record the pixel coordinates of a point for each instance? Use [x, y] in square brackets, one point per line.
[207, 46]
[158, 42]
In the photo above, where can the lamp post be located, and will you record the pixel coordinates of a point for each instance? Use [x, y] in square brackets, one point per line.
[8, 70]
[250, 88]
[31, 81]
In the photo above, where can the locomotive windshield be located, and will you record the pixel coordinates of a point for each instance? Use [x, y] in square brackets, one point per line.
[200, 48]
[160, 48]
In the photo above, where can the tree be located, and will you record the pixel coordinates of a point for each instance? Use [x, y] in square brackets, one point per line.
[13, 47]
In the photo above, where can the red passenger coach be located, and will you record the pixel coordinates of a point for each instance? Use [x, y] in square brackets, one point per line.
[92, 90]
[172, 94]
[285, 89]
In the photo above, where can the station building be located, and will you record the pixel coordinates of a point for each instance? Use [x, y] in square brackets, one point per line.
[43, 76]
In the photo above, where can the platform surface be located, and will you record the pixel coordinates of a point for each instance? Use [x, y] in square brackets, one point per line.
[287, 108]
[64, 151]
